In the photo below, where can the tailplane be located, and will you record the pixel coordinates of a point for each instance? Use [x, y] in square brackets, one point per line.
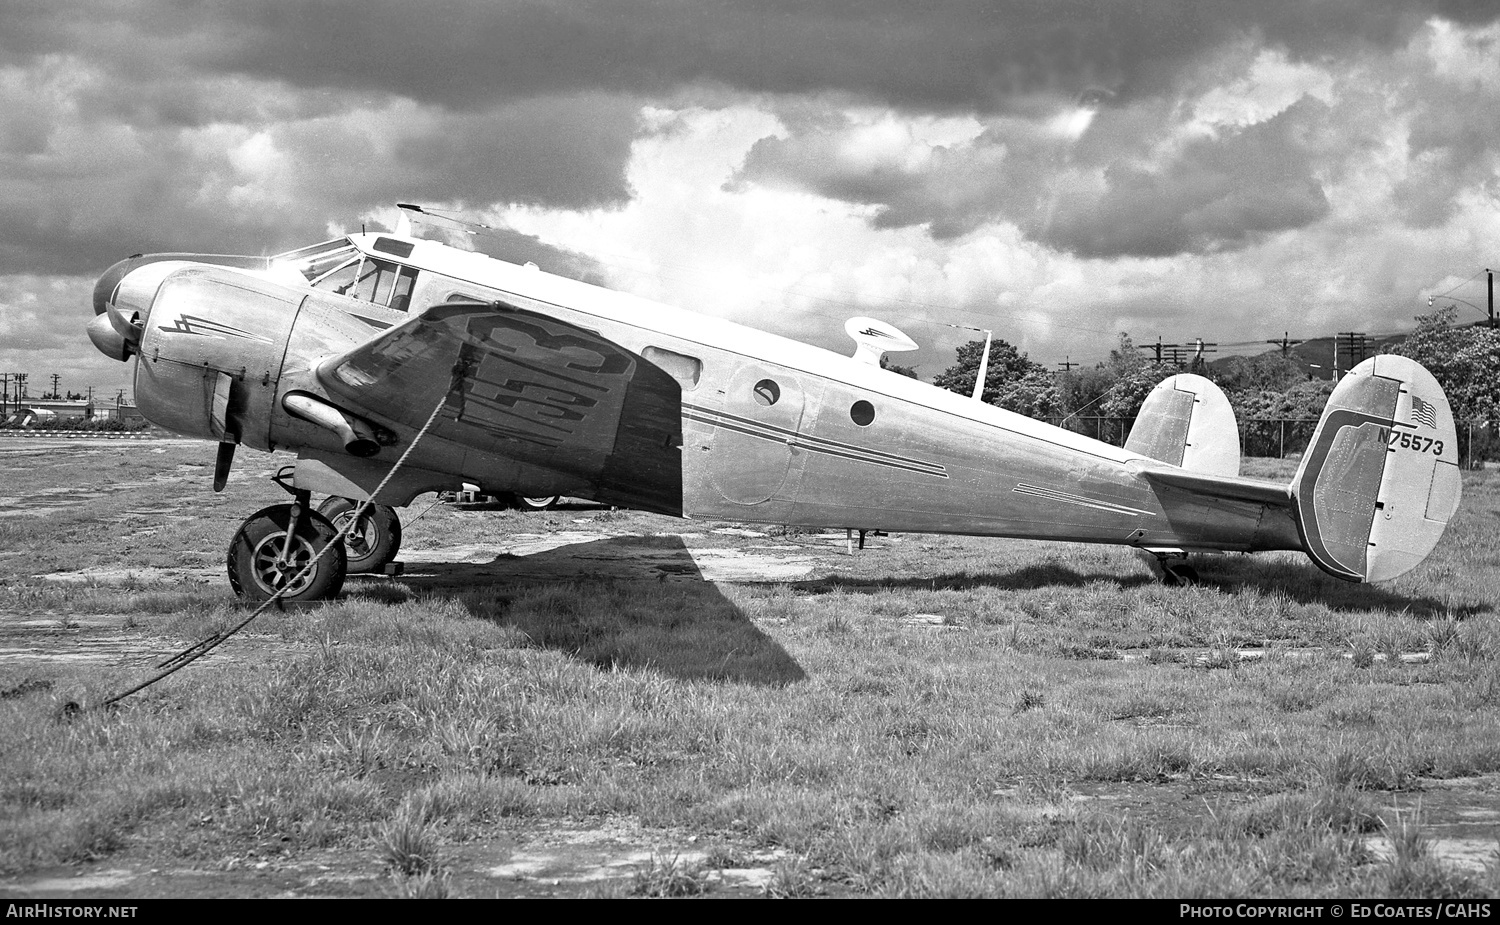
[1380, 479]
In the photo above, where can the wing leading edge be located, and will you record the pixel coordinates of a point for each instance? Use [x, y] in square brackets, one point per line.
[530, 387]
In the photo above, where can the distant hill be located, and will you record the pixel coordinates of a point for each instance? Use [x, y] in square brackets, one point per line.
[1315, 356]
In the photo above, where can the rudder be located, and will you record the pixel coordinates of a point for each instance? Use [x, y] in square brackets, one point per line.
[1379, 481]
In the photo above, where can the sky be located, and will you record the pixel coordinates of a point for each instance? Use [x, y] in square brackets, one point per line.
[1056, 171]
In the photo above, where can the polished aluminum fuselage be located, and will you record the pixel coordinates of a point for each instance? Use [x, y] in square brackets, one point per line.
[769, 430]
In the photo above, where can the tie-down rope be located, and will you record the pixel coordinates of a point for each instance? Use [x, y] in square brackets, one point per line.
[201, 648]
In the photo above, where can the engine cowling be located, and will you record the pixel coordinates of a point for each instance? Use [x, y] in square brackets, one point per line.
[211, 352]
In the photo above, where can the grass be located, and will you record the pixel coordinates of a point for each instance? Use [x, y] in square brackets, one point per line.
[1065, 727]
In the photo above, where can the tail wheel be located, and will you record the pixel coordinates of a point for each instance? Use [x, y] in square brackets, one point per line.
[536, 504]
[375, 542]
[262, 562]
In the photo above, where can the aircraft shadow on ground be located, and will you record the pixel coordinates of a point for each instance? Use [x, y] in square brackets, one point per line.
[629, 602]
[1301, 581]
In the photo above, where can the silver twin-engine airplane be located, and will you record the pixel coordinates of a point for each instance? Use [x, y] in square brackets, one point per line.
[517, 381]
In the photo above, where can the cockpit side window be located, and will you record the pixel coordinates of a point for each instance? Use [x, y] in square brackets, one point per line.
[339, 279]
[401, 299]
[380, 282]
[338, 266]
[375, 281]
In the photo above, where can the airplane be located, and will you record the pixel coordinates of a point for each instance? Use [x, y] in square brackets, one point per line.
[393, 363]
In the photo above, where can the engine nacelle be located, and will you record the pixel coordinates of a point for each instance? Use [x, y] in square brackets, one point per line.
[211, 353]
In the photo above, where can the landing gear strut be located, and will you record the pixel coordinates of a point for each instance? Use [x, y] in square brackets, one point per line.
[1175, 571]
[281, 548]
[375, 542]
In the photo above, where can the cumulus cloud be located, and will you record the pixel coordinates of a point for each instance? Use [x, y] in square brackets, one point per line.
[1065, 168]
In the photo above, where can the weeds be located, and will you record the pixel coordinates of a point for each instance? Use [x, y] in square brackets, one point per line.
[1030, 700]
[792, 878]
[409, 842]
[665, 878]
[884, 758]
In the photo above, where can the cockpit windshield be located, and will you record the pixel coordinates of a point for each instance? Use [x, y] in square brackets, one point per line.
[317, 260]
[340, 267]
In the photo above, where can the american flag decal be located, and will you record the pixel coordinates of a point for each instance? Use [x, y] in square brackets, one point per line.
[1422, 411]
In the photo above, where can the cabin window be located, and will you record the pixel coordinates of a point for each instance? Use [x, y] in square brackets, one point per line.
[685, 369]
[767, 392]
[862, 413]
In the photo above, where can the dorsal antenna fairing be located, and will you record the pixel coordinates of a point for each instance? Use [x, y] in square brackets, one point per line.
[876, 338]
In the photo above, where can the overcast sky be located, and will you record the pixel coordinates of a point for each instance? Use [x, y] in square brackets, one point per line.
[1056, 171]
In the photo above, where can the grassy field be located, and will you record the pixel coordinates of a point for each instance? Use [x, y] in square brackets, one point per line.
[934, 716]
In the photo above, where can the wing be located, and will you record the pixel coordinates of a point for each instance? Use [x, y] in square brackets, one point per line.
[524, 385]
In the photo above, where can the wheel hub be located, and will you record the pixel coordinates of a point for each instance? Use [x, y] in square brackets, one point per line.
[275, 571]
[359, 541]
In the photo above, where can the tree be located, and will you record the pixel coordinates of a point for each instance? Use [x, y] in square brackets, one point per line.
[1129, 391]
[1464, 359]
[1269, 372]
[1081, 390]
[909, 372]
[1012, 381]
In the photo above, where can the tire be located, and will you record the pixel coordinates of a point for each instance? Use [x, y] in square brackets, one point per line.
[375, 543]
[536, 504]
[256, 571]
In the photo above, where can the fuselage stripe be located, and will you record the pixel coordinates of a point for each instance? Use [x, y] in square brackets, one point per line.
[820, 445]
[1052, 494]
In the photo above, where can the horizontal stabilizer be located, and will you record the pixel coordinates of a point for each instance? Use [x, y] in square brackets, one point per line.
[1221, 486]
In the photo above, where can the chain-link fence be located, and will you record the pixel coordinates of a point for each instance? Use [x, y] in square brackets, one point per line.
[1281, 437]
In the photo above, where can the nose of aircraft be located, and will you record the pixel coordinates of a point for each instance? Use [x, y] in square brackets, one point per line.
[104, 289]
[119, 314]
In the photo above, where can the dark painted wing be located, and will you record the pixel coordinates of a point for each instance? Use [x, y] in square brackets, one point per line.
[521, 384]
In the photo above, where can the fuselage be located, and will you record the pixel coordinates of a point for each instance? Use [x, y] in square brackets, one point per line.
[771, 430]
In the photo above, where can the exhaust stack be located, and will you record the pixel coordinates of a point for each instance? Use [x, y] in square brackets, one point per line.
[358, 437]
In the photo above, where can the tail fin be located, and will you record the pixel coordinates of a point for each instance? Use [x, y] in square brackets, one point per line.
[1187, 421]
[1380, 481]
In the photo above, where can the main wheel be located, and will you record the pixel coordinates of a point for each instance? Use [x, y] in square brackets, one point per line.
[536, 504]
[374, 543]
[260, 563]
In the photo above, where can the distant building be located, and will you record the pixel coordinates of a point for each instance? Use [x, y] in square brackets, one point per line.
[125, 414]
[59, 409]
[48, 412]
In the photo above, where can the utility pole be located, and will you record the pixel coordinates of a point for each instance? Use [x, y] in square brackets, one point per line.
[1356, 342]
[1200, 349]
[20, 387]
[1067, 364]
[55, 393]
[1286, 343]
[4, 395]
[1491, 276]
[1175, 354]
